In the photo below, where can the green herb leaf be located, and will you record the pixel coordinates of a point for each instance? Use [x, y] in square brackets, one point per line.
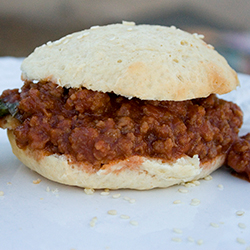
[8, 108]
[3, 109]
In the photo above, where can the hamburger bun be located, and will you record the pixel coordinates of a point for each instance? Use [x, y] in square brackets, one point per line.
[148, 62]
[145, 61]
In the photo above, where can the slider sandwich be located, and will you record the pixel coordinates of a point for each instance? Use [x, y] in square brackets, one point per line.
[124, 106]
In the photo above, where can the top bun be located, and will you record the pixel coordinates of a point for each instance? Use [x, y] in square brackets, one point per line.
[150, 62]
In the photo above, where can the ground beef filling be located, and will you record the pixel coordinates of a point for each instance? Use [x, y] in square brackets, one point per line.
[239, 156]
[99, 128]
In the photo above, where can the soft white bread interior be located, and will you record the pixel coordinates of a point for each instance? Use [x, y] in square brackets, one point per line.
[145, 61]
[135, 173]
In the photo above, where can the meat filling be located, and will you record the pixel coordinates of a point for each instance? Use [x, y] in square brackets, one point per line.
[239, 156]
[99, 128]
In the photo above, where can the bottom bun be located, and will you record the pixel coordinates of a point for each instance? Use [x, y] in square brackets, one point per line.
[134, 173]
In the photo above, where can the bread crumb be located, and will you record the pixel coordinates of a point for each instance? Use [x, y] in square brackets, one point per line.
[112, 212]
[220, 186]
[200, 242]
[93, 221]
[241, 241]
[190, 239]
[116, 196]
[240, 213]
[49, 43]
[9, 183]
[177, 230]
[69, 36]
[128, 23]
[104, 193]
[200, 36]
[183, 190]
[1, 193]
[126, 198]
[89, 191]
[189, 184]
[208, 178]
[195, 202]
[176, 239]
[134, 223]
[124, 216]
[196, 183]
[95, 27]
[177, 202]
[47, 189]
[37, 181]
[242, 225]
[214, 224]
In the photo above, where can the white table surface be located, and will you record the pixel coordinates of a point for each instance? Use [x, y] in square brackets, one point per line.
[53, 216]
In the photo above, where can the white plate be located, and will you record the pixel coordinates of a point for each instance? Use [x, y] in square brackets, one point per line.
[53, 216]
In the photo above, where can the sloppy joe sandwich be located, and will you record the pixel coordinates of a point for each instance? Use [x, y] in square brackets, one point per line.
[123, 106]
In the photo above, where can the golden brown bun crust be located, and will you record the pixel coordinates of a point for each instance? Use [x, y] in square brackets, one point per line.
[145, 61]
[134, 173]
